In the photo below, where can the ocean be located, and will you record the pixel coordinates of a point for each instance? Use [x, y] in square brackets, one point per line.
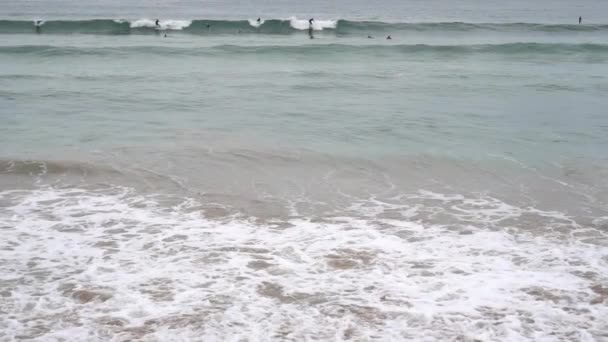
[214, 177]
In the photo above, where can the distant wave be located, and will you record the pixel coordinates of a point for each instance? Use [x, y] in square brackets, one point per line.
[162, 25]
[599, 50]
[273, 26]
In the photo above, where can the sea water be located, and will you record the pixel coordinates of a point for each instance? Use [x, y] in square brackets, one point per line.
[214, 177]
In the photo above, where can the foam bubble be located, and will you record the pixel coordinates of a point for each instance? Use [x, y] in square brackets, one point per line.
[113, 264]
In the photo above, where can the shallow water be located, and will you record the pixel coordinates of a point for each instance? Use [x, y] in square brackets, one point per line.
[245, 182]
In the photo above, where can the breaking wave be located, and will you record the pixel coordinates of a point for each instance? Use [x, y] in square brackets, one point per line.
[273, 26]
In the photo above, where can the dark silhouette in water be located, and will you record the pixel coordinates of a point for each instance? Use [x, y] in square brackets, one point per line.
[389, 37]
[259, 20]
[580, 19]
[157, 23]
[310, 21]
[37, 24]
[370, 37]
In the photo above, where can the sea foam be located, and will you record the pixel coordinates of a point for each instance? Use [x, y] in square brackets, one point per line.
[110, 263]
[255, 23]
[163, 24]
[317, 25]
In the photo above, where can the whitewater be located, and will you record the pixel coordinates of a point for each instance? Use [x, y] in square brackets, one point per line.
[277, 26]
[219, 178]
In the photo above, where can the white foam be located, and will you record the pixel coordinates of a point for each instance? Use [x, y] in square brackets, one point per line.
[163, 24]
[317, 25]
[167, 273]
[255, 23]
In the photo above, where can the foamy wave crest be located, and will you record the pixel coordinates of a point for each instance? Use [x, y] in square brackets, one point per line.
[317, 25]
[255, 23]
[281, 26]
[163, 24]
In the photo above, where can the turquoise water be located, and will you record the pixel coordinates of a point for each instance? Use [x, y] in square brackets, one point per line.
[349, 94]
[217, 178]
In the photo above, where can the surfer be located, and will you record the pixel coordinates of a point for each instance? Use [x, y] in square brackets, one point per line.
[310, 21]
[580, 20]
[370, 37]
[38, 23]
[157, 23]
[389, 37]
[259, 20]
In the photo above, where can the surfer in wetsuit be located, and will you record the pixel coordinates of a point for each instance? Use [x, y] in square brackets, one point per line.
[259, 20]
[310, 21]
[389, 37]
[157, 23]
[580, 20]
[38, 23]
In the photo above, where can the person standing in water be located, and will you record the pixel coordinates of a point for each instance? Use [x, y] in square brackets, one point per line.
[580, 20]
[310, 29]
